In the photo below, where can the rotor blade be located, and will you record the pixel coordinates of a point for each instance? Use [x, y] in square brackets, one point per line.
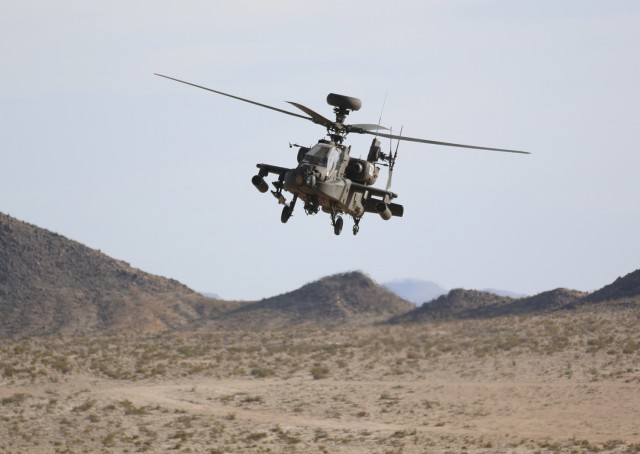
[315, 116]
[365, 126]
[237, 97]
[448, 144]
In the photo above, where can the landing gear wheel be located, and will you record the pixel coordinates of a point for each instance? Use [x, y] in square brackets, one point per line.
[287, 210]
[286, 214]
[337, 227]
[356, 225]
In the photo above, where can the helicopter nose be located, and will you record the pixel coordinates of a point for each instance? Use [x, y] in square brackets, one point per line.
[302, 176]
[291, 179]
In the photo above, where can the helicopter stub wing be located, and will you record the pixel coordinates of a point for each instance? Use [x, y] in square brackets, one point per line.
[372, 200]
[373, 191]
[273, 169]
[395, 208]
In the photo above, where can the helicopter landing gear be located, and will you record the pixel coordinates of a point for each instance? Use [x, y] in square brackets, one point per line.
[286, 214]
[356, 226]
[336, 221]
[337, 225]
[287, 210]
[278, 192]
[311, 207]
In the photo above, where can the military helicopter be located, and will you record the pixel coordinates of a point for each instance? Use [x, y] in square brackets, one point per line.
[327, 178]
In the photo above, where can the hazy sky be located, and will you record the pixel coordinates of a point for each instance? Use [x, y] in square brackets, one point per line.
[95, 147]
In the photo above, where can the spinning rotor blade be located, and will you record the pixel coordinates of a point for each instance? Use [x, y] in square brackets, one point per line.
[239, 98]
[448, 144]
[364, 127]
[315, 116]
[319, 119]
[341, 128]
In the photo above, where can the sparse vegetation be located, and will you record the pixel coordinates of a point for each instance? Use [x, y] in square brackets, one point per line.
[478, 373]
[400, 388]
[319, 371]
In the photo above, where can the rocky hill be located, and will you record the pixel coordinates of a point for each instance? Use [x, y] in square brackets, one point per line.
[50, 284]
[459, 303]
[338, 299]
[624, 287]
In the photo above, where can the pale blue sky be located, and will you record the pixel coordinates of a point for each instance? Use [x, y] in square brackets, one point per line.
[156, 173]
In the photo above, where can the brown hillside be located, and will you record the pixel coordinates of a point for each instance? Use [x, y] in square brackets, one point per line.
[624, 287]
[560, 298]
[50, 284]
[341, 298]
[458, 303]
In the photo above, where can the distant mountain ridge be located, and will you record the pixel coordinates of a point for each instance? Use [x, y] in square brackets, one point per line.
[417, 291]
[420, 291]
[460, 304]
[52, 285]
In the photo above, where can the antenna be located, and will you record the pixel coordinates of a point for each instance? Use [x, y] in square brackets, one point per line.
[384, 102]
[392, 158]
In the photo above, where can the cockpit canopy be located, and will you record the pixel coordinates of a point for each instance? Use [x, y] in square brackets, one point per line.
[318, 154]
[323, 155]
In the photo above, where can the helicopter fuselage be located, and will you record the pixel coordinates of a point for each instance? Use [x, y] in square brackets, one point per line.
[328, 178]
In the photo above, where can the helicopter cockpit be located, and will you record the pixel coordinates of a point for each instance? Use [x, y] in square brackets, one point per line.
[324, 155]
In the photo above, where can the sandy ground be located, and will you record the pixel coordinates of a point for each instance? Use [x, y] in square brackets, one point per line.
[562, 383]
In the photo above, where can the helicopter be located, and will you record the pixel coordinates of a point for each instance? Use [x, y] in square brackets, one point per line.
[327, 178]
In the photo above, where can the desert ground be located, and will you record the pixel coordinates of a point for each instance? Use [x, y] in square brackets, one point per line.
[562, 382]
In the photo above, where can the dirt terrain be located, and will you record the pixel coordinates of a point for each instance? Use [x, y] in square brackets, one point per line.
[562, 382]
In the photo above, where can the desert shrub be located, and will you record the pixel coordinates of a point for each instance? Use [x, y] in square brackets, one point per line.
[286, 436]
[16, 399]
[256, 436]
[511, 341]
[85, 406]
[597, 343]
[253, 399]
[319, 371]
[60, 363]
[630, 346]
[109, 440]
[262, 372]
[131, 409]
